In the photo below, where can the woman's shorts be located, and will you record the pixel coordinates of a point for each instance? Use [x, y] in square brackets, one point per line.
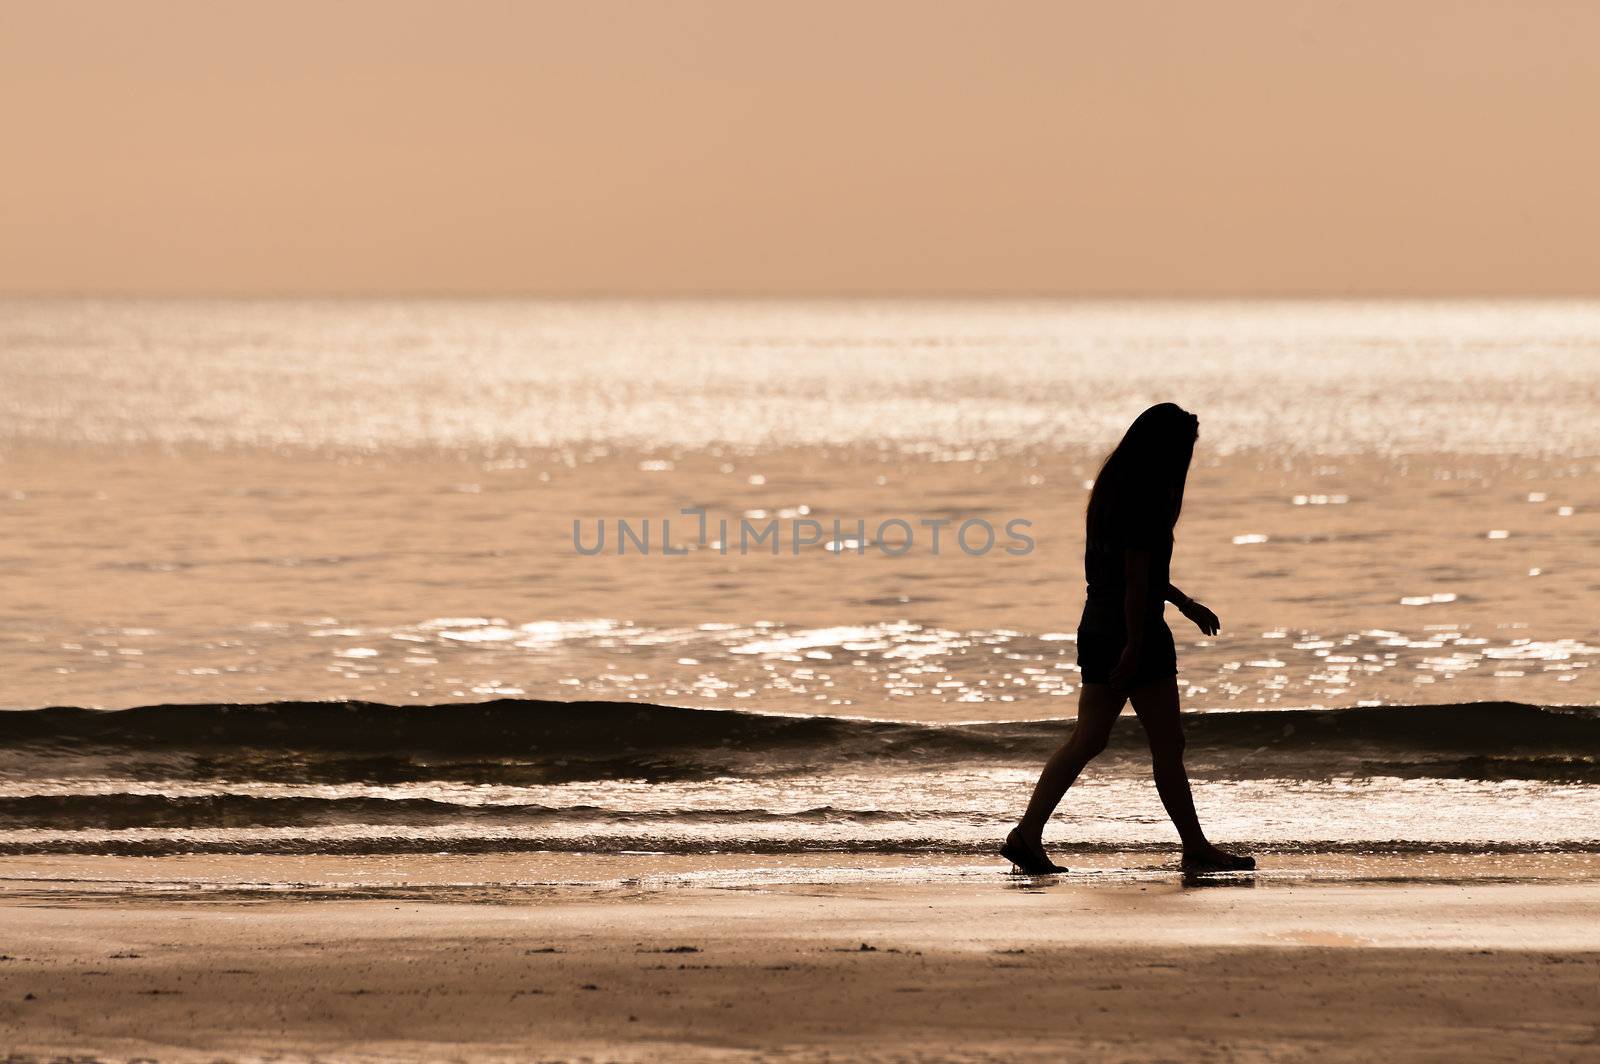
[1099, 652]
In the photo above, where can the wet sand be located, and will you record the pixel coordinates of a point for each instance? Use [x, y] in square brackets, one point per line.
[1413, 959]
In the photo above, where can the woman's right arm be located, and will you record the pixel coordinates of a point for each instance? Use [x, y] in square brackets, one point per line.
[1135, 608]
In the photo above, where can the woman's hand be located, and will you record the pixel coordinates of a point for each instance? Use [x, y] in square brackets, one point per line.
[1122, 674]
[1202, 617]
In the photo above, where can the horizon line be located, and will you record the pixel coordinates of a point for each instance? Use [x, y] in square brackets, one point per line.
[820, 295]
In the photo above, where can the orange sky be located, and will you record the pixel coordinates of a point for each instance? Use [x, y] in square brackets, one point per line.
[807, 146]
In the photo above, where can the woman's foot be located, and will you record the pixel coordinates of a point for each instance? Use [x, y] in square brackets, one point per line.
[1028, 855]
[1210, 859]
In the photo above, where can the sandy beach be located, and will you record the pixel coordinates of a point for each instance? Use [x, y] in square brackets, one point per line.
[1414, 958]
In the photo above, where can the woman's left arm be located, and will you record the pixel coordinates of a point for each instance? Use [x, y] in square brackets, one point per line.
[1197, 612]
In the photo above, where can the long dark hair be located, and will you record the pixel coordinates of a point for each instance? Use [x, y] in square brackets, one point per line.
[1138, 494]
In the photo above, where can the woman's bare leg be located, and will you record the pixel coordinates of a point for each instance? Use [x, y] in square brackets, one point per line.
[1098, 706]
[1157, 707]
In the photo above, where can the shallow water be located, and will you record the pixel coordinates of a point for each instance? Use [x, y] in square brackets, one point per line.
[955, 811]
[621, 777]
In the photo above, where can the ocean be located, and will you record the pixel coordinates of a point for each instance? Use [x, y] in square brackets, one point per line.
[321, 577]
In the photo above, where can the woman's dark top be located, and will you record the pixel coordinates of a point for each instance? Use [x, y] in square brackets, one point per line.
[1103, 631]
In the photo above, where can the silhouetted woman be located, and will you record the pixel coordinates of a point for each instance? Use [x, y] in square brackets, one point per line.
[1125, 648]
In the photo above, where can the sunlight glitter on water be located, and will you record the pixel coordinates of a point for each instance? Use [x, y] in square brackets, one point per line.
[392, 461]
[369, 374]
[895, 669]
[856, 665]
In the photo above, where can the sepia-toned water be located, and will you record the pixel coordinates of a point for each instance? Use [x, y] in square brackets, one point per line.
[1392, 505]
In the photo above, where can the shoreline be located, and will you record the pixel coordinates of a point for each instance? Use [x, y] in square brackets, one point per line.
[84, 878]
[403, 960]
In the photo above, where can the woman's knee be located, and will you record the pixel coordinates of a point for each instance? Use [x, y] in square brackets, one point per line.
[1089, 743]
[1167, 743]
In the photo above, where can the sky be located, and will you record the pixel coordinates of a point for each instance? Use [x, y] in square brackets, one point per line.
[1280, 147]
